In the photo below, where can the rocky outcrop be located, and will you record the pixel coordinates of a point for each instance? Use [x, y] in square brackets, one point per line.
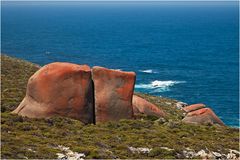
[141, 105]
[180, 105]
[140, 150]
[202, 116]
[93, 96]
[69, 154]
[207, 154]
[59, 89]
[193, 107]
[68, 90]
[113, 91]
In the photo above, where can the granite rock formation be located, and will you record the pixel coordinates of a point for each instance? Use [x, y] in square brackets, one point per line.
[59, 89]
[193, 107]
[92, 96]
[141, 105]
[202, 116]
[113, 91]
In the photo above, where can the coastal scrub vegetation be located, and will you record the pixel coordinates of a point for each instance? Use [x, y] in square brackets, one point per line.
[23, 137]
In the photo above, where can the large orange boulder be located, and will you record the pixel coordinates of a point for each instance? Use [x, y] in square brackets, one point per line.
[193, 107]
[202, 116]
[113, 91]
[141, 105]
[59, 89]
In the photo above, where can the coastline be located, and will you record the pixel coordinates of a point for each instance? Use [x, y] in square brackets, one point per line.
[35, 66]
[42, 138]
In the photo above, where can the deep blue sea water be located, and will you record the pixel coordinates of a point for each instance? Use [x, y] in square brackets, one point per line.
[183, 50]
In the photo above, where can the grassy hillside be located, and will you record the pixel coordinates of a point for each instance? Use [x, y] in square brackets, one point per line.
[41, 138]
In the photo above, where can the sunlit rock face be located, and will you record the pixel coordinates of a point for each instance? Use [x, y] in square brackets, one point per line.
[113, 91]
[63, 89]
[193, 107]
[202, 116]
[93, 96]
[142, 106]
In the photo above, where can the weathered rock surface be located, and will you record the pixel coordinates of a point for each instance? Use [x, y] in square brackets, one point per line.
[207, 154]
[141, 105]
[180, 105]
[140, 150]
[96, 95]
[202, 116]
[193, 107]
[113, 94]
[59, 89]
[69, 154]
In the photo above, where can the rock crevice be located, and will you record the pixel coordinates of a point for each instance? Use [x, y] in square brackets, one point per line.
[94, 95]
[76, 91]
[198, 114]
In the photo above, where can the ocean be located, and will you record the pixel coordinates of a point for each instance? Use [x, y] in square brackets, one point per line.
[188, 51]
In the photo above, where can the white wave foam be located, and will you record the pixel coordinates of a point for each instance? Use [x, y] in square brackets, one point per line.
[165, 83]
[148, 71]
[158, 86]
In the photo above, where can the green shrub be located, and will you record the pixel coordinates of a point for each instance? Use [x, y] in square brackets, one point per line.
[23, 137]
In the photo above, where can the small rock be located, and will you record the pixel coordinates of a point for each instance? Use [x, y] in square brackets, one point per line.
[69, 154]
[141, 105]
[31, 150]
[180, 105]
[210, 155]
[189, 154]
[233, 154]
[224, 156]
[201, 153]
[202, 116]
[168, 103]
[166, 148]
[61, 156]
[140, 150]
[172, 124]
[189, 149]
[217, 155]
[160, 120]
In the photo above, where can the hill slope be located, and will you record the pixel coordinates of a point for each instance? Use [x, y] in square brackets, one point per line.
[145, 137]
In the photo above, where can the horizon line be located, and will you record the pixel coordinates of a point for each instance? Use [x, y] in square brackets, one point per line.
[119, 1]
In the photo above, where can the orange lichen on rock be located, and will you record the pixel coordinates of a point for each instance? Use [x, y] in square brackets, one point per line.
[141, 105]
[59, 89]
[92, 96]
[113, 91]
[193, 107]
[202, 116]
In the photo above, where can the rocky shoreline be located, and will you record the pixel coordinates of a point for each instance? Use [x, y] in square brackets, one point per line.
[145, 136]
[95, 95]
